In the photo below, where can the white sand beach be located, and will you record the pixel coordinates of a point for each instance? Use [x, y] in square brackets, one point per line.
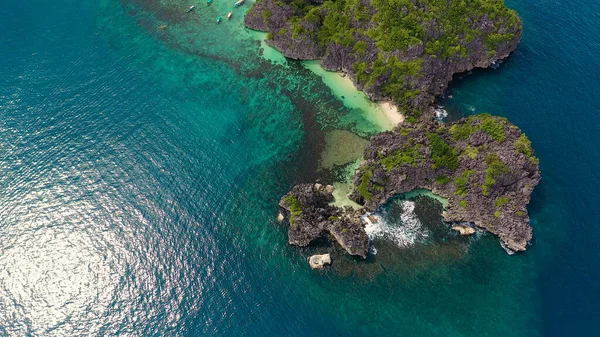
[391, 112]
[383, 114]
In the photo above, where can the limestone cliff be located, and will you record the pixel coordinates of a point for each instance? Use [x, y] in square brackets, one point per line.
[404, 50]
[483, 165]
[307, 209]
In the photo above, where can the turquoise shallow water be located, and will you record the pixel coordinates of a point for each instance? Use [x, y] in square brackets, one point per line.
[140, 170]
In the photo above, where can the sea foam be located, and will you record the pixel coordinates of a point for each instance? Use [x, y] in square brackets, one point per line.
[405, 232]
[440, 114]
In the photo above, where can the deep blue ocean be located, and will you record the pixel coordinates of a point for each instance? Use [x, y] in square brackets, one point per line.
[140, 169]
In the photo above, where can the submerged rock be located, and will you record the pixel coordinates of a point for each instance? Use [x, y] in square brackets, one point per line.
[319, 261]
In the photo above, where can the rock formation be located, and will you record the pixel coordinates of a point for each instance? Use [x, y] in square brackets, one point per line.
[483, 165]
[319, 261]
[464, 230]
[405, 51]
[311, 217]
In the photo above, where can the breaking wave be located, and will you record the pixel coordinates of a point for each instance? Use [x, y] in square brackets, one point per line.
[440, 113]
[405, 232]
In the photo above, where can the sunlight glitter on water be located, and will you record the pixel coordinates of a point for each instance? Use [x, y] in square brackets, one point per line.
[54, 270]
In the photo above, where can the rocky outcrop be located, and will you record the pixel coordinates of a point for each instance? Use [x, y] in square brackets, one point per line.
[280, 217]
[464, 229]
[319, 261]
[307, 209]
[483, 165]
[409, 60]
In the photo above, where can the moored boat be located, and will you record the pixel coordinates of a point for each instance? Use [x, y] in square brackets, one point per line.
[239, 3]
[229, 15]
[191, 9]
[218, 20]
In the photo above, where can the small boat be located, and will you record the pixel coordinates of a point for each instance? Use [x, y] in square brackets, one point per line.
[218, 20]
[229, 15]
[239, 3]
[162, 27]
[209, 2]
[191, 9]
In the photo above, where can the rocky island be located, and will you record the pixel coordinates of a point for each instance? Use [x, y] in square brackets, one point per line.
[311, 216]
[401, 50]
[407, 51]
[483, 165]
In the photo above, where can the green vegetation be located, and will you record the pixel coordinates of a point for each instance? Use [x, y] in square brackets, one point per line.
[336, 28]
[360, 47]
[295, 208]
[363, 187]
[298, 30]
[404, 156]
[333, 218]
[523, 145]
[463, 203]
[471, 152]
[497, 214]
[442, 180]
[402, 25]
[494, 127]
[397, 75]
[266, 14]
[496, 168]
[501, 201]
[442, 154]
[400, 29]
[461, 182]
[461, 131]
[520, 213]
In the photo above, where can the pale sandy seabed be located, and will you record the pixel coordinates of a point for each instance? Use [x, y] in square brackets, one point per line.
[341, 147]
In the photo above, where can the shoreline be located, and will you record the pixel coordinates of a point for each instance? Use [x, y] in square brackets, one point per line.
[267, 52]
[381, 113]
